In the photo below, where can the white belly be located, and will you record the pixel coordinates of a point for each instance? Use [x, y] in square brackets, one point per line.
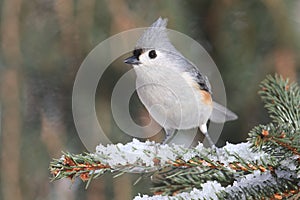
[170, 99]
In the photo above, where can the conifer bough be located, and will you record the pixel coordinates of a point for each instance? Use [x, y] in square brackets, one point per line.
[265, 167]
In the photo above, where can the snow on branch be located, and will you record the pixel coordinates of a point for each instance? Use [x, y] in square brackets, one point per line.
[254, 181]
[236, 166]
[144, 157]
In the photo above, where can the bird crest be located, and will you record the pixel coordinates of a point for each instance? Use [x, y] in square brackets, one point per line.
[156, 37]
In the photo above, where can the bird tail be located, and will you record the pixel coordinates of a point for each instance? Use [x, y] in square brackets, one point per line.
[220, 114]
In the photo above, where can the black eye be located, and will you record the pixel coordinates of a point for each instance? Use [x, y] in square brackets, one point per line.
[152, 54]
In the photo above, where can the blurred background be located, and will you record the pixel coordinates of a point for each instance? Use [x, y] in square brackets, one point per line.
[43, 43]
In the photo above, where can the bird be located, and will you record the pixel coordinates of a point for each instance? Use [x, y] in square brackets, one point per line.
[172, 89]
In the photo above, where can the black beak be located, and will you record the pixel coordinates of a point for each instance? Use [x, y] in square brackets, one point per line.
[132, 60]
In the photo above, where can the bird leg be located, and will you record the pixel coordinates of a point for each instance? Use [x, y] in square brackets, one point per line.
[203, 129]
[169, 135]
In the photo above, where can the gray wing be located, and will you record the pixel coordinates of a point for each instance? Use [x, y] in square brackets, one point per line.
[220, 114]
[201, 79]
[203, 82]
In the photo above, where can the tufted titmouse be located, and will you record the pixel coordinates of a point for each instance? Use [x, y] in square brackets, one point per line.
[172, 89]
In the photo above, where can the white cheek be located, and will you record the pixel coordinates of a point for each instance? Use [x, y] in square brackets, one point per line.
[144, 59]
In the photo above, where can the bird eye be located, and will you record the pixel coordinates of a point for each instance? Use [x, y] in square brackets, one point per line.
[152, 54]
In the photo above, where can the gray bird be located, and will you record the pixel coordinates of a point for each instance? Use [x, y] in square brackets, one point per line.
[173, 90]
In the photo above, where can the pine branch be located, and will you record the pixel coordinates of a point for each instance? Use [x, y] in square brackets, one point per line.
[148, 157]
[71, 166]
[266, 167]
[187, 172]
[232, 162]
[258, 185]
[282, 100]
[272, 137]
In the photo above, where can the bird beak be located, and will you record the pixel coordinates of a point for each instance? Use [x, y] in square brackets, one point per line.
[132, 60]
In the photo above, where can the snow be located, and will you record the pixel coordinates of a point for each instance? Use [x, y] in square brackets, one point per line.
[149, 156]
[244, 151]
[208, 191]
[290, 163]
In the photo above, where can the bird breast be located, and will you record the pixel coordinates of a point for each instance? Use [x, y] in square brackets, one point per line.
[172, 98]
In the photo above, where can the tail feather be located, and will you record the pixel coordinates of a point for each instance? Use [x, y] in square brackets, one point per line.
[220, 114]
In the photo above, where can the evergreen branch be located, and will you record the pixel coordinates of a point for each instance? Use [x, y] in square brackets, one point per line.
[266, 167]
[72, 166]
[282, 100]
[272, 137]
[136, 159]
[187, 172]
[261, 185]
[192, 173]
[258, 185]
[174, 180]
